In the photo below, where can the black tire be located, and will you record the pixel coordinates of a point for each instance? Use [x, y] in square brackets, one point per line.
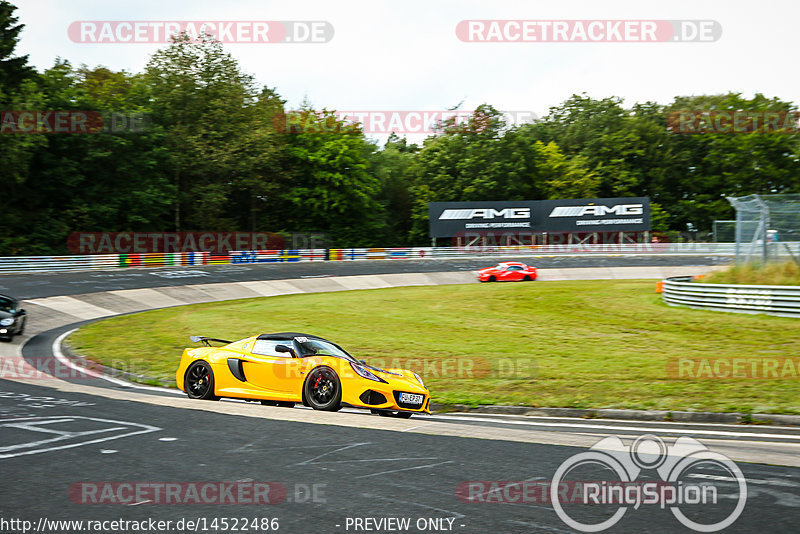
[526, 278]
[22, 328]
[323, 389]
[492, 279]
[281, 404]
[199, 381]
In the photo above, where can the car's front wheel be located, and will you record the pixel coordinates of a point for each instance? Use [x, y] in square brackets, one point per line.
[199, 381]
[323, 389]
[492, 279]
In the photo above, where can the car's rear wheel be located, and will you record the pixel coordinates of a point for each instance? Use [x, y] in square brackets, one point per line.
[199, 381]
[323, 389]
[526, 278]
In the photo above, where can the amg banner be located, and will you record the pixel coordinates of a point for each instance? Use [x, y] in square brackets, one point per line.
[584, 215]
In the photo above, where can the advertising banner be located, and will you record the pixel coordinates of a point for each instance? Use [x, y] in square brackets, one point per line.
[586, 215]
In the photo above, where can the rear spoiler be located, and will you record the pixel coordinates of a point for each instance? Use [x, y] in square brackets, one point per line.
[205, 340]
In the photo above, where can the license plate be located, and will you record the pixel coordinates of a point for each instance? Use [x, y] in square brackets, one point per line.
[411, 398]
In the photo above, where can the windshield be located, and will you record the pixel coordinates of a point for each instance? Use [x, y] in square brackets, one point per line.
[316, 347]
[6, 305]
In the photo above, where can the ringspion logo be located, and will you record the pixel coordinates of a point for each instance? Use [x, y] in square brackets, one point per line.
[704, 490]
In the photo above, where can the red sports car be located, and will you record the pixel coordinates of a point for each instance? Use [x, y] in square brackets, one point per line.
[508, 270]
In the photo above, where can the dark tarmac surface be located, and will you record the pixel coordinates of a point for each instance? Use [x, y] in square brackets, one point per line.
[38, 285]
[59, 451]
[329, 473]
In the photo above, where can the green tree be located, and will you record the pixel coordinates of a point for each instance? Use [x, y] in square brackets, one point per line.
[13, 70]
[330, 186]
[205, 104]
[392, 167]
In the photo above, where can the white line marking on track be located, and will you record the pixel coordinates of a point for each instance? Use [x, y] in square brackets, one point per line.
[372, 460]
[405, 469]
[123, 383]
[769, 482]
[628, 428]
[306, 462]
[605, 420]
[27, 423]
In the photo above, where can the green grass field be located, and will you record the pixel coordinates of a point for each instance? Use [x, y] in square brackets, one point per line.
[785, 273]
[582, 344]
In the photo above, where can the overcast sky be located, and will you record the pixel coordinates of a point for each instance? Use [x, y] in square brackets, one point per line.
[405, 55]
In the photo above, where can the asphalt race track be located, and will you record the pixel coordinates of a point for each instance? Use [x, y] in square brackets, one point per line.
[37, 285]
[79, 449]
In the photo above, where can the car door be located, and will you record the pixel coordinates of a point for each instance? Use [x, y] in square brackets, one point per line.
[513, 272]
[273, 371]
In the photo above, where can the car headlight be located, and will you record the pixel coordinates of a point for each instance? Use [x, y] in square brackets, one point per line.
[364, 373]
[419, 379]
[8, 321]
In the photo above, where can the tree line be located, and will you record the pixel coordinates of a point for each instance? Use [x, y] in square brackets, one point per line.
[215, 154]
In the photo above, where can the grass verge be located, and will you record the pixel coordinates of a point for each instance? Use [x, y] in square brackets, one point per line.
[581, 344]
[772, 274]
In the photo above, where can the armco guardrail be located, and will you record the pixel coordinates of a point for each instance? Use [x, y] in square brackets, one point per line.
[783, 301]
[115, 261]
[33, 264]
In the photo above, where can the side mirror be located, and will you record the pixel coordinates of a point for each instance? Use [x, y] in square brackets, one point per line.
[363, 361]
[284, 348]
[21, 313]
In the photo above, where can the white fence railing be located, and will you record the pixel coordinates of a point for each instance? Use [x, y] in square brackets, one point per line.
[783, 301]
[33, 264]
[114, 261]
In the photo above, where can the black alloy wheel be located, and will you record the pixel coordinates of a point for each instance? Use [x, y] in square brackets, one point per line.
[323, 389]
[199, 381]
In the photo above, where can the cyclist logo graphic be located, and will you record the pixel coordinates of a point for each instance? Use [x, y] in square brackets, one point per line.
[671, 463]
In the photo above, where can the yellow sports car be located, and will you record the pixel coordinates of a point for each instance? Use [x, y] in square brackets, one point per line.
[286, 368]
